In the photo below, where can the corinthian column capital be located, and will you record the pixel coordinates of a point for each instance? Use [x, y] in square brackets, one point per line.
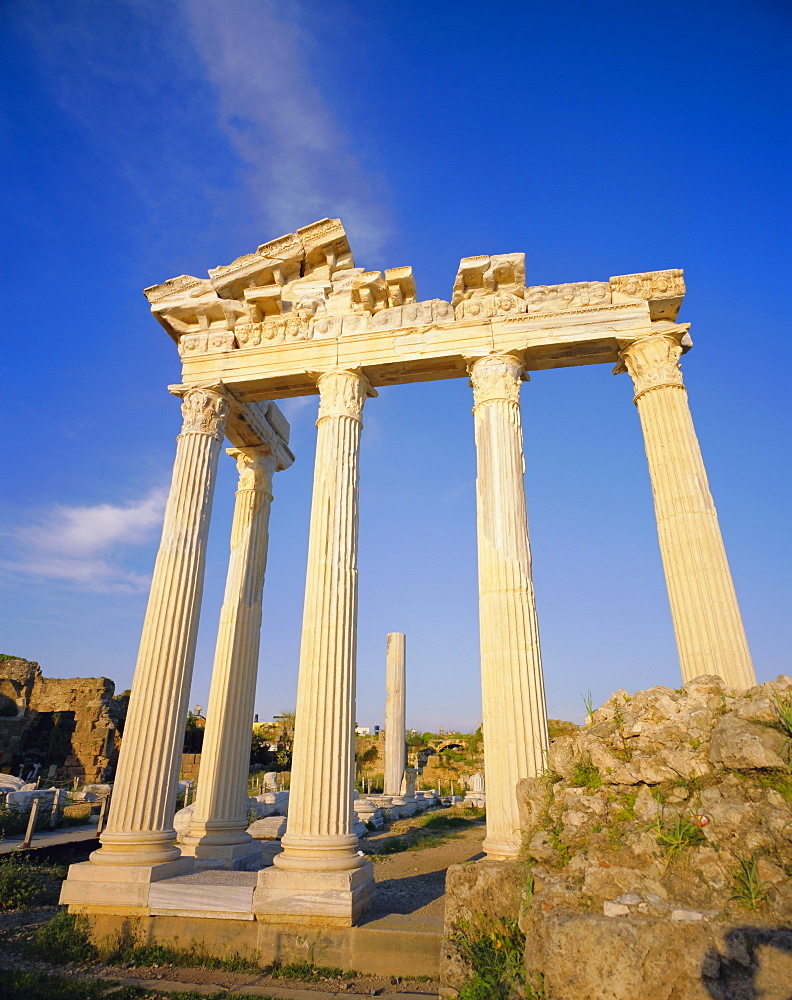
[256, 467]
[497, 376]
[653, 361]
[204, 411]
[342, 394]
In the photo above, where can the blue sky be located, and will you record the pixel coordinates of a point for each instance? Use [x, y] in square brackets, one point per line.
[142, 140]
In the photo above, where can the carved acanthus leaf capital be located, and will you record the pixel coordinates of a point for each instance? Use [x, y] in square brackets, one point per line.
[256, 467]
[343, 393]
[497, 376]
[204, 411]
[653, 361]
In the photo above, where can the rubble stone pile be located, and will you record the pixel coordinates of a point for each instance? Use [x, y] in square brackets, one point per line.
[671, 802]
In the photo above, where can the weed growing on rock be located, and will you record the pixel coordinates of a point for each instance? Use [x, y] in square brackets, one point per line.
[675, 836]
[588, 701]
[586, 775]
[748, 888]
[783, 705]
[493, 948]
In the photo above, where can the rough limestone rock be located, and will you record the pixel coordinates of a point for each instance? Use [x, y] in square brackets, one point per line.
[594, 957]
[637, 841]
[746, 746]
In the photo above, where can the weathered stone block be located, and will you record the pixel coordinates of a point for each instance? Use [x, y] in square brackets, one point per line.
[593, 957]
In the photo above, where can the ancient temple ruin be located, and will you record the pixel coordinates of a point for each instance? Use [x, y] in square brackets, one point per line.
[297, 317]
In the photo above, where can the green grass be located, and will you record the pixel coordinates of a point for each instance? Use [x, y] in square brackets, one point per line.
[17, 984]
[13, 823]
[308, 973]
[64, 940]
[25, 882]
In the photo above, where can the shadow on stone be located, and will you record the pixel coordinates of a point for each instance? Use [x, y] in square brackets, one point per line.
[752, 965]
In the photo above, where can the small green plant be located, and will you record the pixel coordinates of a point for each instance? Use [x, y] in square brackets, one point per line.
[493, 948]
[586, 774]
[783, 706]
[747, 888]
[626, 811]
[675, 836]
[64, 939]
[558, 844]
[784, 710]
[588, 701]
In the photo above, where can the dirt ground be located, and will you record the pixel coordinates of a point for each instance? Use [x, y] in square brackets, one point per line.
[411, 882]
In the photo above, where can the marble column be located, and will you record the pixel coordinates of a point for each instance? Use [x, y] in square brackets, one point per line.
[513, 700]
[395, 746]
[319, 872]
[707, 622]
[218, 836]
[139, 828]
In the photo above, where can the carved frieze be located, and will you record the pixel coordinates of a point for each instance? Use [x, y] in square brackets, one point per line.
[304, 286]
[663, 290]
[575, 295]
[487, 287]
[369, 293]
[401, 286]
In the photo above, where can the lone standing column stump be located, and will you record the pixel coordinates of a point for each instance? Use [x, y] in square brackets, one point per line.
[395, 705]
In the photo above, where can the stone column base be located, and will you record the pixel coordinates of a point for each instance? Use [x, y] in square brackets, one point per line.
[117, 885]
[245, 857]
[336, 899]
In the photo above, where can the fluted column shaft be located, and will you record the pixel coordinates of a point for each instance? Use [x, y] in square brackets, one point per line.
[140, 823]
[395, 746]
[319, 836]
[707, 622]
[220, 813]
[513, 700]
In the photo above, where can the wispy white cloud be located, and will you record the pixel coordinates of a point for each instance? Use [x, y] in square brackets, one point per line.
[302, 165]
[82, 545]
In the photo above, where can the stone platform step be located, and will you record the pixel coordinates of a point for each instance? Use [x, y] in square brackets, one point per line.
[221, 893]
[394, 944]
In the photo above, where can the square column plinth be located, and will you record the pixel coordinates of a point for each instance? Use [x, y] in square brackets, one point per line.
[92, 884]
[334, 899]
[246, 857]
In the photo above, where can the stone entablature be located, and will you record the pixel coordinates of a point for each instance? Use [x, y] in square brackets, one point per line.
[270, 319]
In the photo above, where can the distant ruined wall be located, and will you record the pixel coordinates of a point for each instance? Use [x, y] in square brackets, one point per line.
[61, 723]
